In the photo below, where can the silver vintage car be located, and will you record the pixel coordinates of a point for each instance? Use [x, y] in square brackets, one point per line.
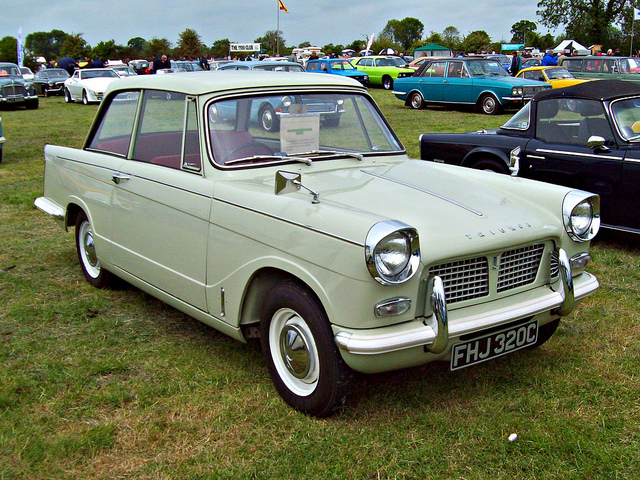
[323, 240]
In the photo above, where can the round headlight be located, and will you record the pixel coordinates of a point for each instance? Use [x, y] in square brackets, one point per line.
[287, 101]
[581, 212]
[392, 252]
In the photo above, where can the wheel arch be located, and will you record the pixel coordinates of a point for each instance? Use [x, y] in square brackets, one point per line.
[485, 153]
[407, 102]
[489, 92]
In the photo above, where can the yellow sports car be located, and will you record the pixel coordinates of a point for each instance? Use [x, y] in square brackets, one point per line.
[557, 77]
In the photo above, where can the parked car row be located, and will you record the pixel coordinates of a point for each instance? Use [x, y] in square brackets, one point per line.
[286, 227]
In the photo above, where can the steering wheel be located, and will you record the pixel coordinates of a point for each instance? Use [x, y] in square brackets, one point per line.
[259, 147]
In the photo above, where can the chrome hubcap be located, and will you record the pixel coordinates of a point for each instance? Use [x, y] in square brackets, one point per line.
[90, 249]
[295, 352]
[267, 120]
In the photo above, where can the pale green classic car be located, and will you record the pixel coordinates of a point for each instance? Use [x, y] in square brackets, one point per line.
[325, 242]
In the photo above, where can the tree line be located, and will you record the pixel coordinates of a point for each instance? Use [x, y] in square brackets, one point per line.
[606, 22]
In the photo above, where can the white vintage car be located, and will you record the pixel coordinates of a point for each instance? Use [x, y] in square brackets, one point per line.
[88, 85]
[327, 242]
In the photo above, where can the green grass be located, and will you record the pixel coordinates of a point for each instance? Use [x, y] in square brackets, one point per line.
[115, 384]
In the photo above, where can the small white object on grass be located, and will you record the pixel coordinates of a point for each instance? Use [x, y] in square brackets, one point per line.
[512, 437]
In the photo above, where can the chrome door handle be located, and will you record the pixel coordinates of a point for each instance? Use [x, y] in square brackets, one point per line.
[117, 177]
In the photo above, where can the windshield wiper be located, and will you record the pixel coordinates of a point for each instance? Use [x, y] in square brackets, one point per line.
[333, 154]
[306, 161]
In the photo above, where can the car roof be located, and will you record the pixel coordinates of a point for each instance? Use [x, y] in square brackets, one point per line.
[596, 90]
[199, 83]
[253, 63]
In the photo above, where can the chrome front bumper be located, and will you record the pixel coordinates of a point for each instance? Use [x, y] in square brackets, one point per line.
[443, 328]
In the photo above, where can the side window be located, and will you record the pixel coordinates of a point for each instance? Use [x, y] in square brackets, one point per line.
[168, 128]
[113, 134]
[572, 65]
[455, 69]
[436, 69]
[312, 66]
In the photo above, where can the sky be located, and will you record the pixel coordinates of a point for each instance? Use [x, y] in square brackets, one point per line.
[319, 22]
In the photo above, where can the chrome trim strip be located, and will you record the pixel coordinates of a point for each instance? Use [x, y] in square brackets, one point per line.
[405, 184]
[47, 206]
[576, 154]
[537, 157]
[290, 222]
[632, 160]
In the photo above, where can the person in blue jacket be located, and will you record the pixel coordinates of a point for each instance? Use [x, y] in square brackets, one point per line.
[550, 59]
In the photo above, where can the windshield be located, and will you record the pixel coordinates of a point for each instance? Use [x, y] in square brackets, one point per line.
[626, 115]
[557, 73]
[303, 127]
[9, 71]
[341, 65]
[520, 121]
[98, 74]
[486, 67]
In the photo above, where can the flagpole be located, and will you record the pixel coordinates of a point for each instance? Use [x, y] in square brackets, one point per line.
[278, 30]
[633, 21]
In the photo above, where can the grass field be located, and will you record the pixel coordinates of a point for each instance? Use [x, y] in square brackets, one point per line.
[108, 384]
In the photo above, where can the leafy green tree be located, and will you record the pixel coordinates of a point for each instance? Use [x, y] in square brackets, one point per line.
[404, 32]
[137, 45]
[189, 44]
[450, 37]
[158, 46]
[305, 44]
[9, 50]
[477, 41]
[220, 48]
[523, 31]
[107, 50]
[587, 21]
[45, 44]
[271, 41]
[75, 46]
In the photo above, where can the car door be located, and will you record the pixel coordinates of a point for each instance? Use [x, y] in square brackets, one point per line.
[629, 211]
[366, 65]
[457, 85]
[559, 152]
[431, 81]
[161, 203]
[72, 84]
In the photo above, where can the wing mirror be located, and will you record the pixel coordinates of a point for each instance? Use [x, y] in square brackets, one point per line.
[596, 142]
[287, 182]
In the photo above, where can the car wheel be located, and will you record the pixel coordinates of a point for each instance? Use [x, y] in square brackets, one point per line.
[45, 92]
[93, 271]
[545, 332]
[489, 105]
[85, 99]
[387, 82]
[67, 96]
[331, 121]
[269, 121]
[301, 355]
[416, 101]
[490, 165]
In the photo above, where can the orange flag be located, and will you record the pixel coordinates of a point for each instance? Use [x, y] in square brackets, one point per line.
[282, 7]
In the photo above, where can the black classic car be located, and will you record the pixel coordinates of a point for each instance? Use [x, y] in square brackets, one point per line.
[50, 81]
[15, 90]
[586, 136]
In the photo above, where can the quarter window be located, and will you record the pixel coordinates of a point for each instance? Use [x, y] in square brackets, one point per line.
[116, 126]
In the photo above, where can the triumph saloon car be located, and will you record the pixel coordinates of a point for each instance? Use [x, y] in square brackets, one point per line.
[586, 136]
[328, 243]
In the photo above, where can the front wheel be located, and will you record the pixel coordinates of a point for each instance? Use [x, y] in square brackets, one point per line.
[67, 96]
[489, 105]
[387, 83]
[416, 101]
[269, 121]
[301, 355]
[93, 271]
[85, 99]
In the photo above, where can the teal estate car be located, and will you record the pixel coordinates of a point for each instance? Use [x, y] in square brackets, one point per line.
[603, 68]
[383, 70]
[466, 81]
[338, 66]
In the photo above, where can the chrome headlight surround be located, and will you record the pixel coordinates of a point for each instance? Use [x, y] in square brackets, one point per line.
[581, 215]
[517, 91]
[392, 252]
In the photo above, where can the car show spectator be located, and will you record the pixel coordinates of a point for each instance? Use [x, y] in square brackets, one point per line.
[550, 59]
[516, 63]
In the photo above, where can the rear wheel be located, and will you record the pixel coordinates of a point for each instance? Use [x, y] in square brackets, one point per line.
[93, 271]
[490, 165]
[301, 355]
[416, 101]
[489, 105]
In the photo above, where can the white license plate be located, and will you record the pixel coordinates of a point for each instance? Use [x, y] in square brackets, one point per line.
[493, 345]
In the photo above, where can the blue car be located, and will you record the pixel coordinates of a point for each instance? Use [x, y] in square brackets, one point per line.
[1, 140]
[338, 66]
[466, 81]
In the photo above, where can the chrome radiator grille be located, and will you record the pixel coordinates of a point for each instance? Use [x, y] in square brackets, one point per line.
[468, 279]
[464, 279]
[11, 90]
[519, 267]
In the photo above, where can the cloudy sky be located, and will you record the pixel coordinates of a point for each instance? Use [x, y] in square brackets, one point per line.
[317, 21]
